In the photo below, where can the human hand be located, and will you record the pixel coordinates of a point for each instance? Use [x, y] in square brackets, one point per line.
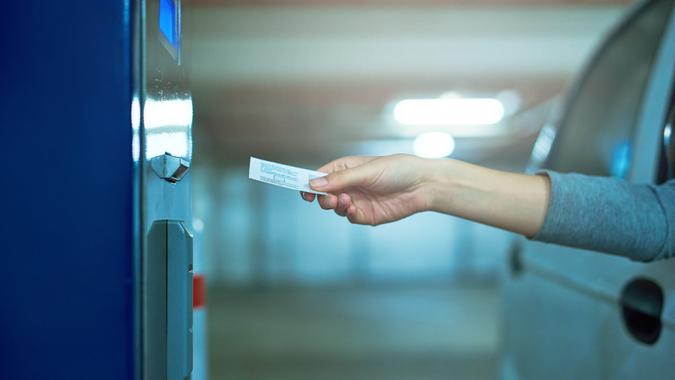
[373, 190]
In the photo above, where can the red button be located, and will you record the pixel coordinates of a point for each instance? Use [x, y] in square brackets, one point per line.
[198, 291]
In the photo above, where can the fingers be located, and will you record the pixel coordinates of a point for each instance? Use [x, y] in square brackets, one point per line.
[328, 201]
[343, 163]
[343, 173]
[335, 166]
[351, 214]
[343, 179]
[344, 201]
[309, 197]
[342, 205]
[357, 216]
[339, 203]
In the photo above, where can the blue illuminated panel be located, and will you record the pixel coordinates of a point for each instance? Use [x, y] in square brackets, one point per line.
[169, 24]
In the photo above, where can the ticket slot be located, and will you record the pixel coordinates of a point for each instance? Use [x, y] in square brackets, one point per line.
[168, 312]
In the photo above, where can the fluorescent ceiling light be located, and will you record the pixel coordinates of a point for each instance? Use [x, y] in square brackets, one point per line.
[434, 145]
[449, 111]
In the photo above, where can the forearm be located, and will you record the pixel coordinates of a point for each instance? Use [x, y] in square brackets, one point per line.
[514, 202]
[597, 213]
[611, 215]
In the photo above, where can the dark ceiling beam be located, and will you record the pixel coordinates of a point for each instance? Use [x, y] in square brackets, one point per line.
[404, 3]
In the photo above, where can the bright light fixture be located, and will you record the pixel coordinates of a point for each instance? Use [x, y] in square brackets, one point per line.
[449, 111]
[434, 145]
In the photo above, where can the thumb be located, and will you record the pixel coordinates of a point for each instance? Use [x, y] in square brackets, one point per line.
[343, 179]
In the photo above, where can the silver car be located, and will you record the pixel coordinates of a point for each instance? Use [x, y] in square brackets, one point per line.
[575, 314]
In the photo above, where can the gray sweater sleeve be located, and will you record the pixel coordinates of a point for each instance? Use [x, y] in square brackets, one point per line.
[610, 215]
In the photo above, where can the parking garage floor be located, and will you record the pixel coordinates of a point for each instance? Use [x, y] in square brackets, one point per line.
[439, 332]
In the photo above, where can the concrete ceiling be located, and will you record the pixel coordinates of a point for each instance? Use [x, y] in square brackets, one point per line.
[304, 81]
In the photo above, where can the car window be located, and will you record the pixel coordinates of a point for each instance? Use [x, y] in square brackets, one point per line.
[596, 130]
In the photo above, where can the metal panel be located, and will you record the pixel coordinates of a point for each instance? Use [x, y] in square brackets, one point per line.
[165, 155]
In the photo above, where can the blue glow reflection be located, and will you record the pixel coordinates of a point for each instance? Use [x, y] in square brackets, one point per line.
[621, 159]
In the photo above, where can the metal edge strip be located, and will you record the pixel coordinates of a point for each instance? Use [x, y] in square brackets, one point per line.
[137, 24]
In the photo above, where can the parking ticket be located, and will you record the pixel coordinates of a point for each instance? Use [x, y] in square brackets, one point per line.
[282, 175]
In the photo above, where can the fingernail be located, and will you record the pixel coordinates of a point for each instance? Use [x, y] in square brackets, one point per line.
[318, 182]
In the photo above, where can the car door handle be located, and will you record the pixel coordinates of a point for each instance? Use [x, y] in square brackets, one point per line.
[641, 307]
